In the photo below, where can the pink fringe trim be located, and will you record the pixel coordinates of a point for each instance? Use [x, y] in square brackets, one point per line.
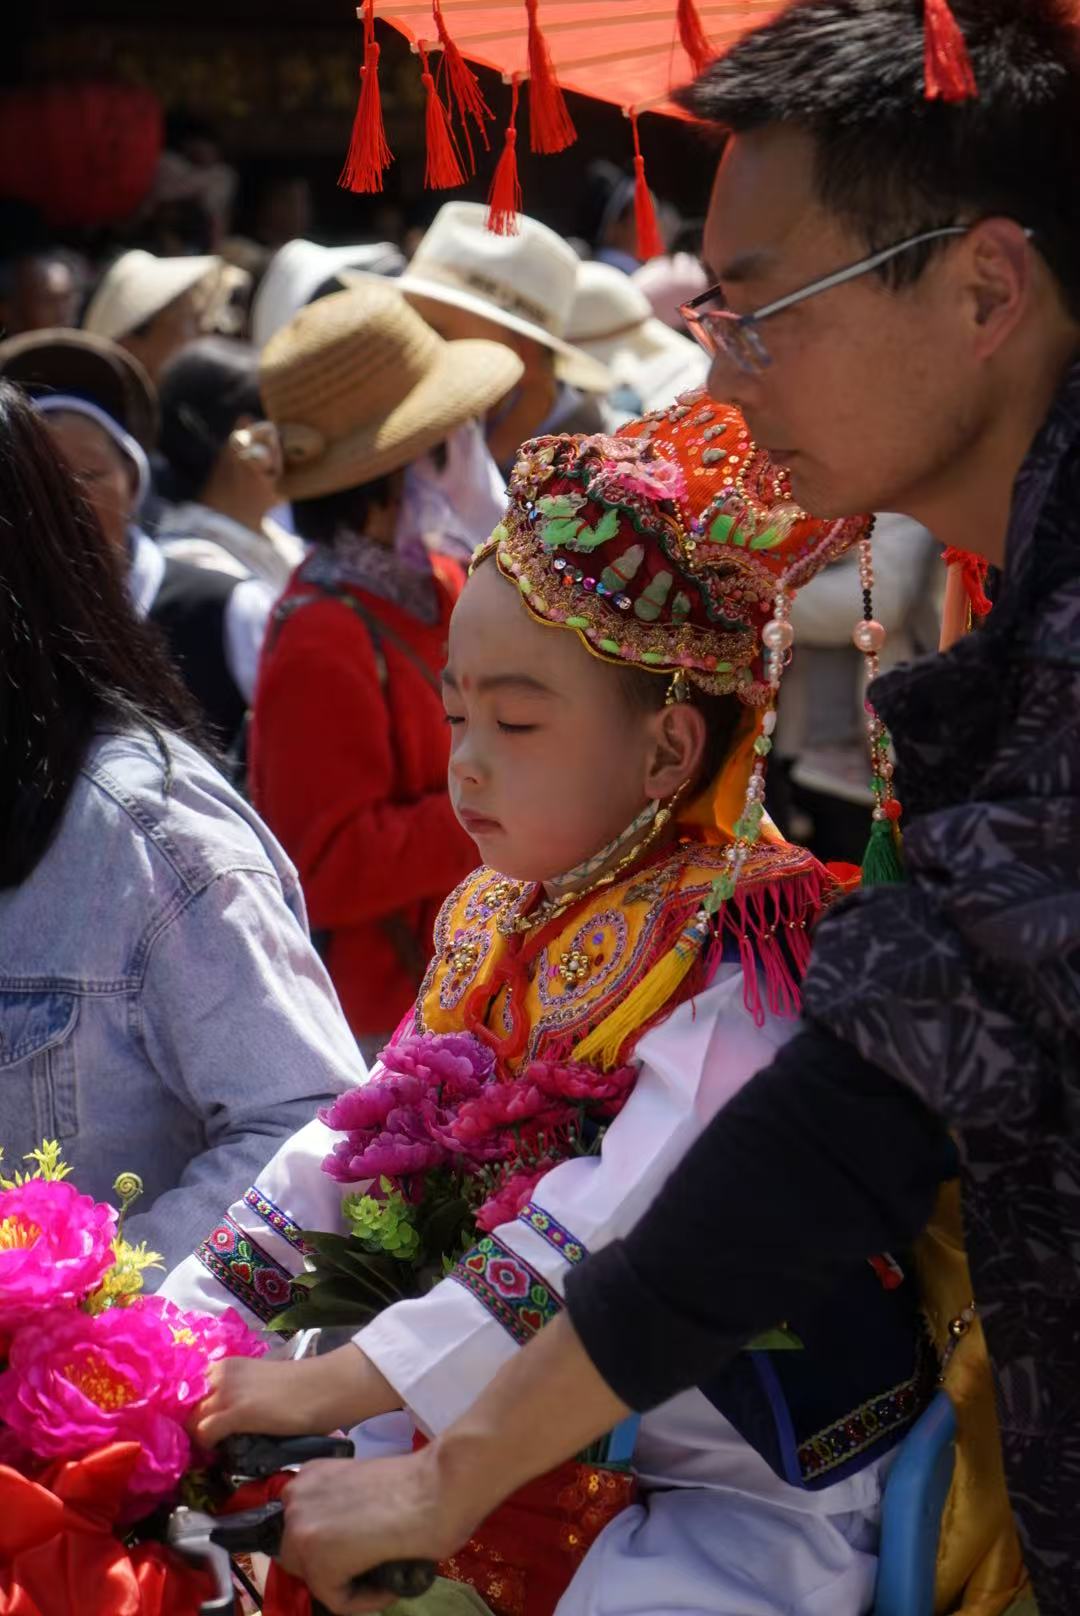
[771, 924]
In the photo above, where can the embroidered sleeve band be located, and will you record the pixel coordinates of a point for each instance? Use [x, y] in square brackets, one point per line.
[542, 1223]
[247, 1272]
[511, 1291]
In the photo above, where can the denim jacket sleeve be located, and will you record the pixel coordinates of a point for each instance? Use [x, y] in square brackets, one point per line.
[239, 1020]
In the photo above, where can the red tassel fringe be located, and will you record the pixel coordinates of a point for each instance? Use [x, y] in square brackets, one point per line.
[692, 36]
[950, 76]
[551, 128]
[465, 94]
[973, 570]
[504, 199]
[443, 166]
[369, 155]
[650, 243]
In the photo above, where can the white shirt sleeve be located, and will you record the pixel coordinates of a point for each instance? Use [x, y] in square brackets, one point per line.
[441, 1350]
[247, 614]
[291, 1194]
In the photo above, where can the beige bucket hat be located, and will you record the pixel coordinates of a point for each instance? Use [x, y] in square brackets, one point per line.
[358, 385]
[138, 286]
[524, 282]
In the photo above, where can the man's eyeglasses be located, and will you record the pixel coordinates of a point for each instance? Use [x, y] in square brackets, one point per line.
[721, 330]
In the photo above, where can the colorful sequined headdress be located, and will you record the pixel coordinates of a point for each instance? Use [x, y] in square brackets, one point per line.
[664, 547]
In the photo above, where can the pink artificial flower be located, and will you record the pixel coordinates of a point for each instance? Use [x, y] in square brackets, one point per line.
[387, 1157]
[573, 1080]
[75, 1383]
[499, 1106]
[55, 1247]
[513, 1196]
[399, 1124]
[221, 1335]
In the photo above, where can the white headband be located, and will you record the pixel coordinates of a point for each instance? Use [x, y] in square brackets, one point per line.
[71, 404]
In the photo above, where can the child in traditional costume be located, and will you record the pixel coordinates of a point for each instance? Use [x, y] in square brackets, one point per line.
[627, 958]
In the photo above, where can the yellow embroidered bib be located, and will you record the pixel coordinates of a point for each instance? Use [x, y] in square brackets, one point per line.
[536, 995]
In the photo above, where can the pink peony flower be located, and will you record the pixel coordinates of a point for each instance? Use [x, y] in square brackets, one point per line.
[400, 1124]
[512, 1197]
[55, 1246]
[75, 1383]
[224, 1335]
[501, 1105]
[572, 1080]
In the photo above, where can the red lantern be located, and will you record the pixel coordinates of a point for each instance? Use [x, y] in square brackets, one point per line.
[84, 154]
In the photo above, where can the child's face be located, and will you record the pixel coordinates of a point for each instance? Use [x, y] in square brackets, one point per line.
[549, 761]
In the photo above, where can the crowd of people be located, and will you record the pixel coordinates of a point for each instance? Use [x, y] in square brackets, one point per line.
[408, 812]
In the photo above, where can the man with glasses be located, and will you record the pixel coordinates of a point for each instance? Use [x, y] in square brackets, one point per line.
[897, 312]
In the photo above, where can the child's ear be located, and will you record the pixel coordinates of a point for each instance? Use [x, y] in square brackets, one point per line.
[677, 750]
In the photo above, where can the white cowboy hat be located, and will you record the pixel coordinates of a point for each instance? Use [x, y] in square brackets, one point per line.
[137, 287]
[299, 269]
[612, 319]
[358, 385]
[524, 282]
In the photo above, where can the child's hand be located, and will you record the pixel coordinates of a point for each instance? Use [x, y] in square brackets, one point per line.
[310, 1398]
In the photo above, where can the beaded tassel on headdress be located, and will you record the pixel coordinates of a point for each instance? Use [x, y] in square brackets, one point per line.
[882, 865]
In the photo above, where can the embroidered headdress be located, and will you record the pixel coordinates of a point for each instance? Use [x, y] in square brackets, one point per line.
[664, 547]
[673, 547]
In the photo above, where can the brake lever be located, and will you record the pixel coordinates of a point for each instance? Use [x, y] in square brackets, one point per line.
[253, 1458]
[260, 1531]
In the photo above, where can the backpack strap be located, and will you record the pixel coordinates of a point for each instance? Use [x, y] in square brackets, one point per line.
[378, 632]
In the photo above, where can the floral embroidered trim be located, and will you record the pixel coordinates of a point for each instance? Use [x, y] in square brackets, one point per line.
[239, 1263]
[863, 1427]
[511, 1291]
[276, 1219]
[534, 1217]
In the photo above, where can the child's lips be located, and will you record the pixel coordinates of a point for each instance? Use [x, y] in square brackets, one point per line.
[477, 824]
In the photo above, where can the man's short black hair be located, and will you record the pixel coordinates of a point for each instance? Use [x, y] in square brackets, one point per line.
[890, 163]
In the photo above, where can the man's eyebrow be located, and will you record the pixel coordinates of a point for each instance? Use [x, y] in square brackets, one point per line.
[525, 682]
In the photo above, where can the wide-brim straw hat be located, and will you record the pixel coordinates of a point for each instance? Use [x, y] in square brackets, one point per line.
[137, 287]
[75, 364]
[524, 282]
[358, 385]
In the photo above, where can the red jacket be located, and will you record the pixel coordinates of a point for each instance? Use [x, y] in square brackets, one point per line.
[348, 767]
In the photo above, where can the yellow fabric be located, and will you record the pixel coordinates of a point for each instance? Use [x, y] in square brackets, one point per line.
[980, 1568]
[618, 934]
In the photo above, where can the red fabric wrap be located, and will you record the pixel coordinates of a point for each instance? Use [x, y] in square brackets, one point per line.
[59, 1555]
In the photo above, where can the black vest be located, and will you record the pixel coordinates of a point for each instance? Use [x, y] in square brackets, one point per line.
[189, 609]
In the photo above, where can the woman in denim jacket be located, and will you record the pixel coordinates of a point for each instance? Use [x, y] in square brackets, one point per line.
[161, 1007]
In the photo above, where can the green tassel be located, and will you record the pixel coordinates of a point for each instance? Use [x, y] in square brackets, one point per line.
[882, 863]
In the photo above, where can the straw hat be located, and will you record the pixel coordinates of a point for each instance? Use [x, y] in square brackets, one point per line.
[612, 319]
[73, 363]
[301, 268]
[137, 287]
[524, 282]
[358, 385]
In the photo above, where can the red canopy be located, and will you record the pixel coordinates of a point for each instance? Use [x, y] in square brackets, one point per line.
[624, 51]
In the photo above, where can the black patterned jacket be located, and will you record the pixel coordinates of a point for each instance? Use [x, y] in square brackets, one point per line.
[966, 983]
